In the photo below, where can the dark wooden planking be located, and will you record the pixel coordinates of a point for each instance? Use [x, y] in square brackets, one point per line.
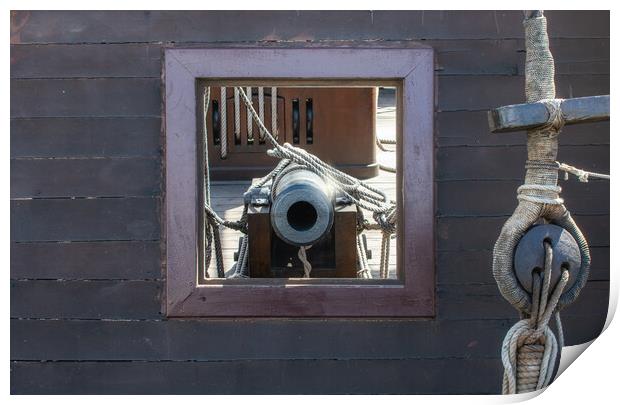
[86, 260]
[101, 299]
[519, 117]
[466, 376]
[470, 128]
[475, 266]
[454, 57]
[471, 302]
[455, 233]
[180, 340]
[85, 60]
[507, 162]
[174, 340]
[205, 26]
[487, 92]
[140, 300]
[472, 197]
[85, 137]
[85, 219]
[85, 97]
[114, 177]
[507, 56]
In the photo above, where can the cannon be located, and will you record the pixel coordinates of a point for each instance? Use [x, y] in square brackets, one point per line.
[300, 209]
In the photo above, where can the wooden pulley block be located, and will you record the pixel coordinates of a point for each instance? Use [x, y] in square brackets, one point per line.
[530, 255]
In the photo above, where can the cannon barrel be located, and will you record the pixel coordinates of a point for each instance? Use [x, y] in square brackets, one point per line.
[302, 209]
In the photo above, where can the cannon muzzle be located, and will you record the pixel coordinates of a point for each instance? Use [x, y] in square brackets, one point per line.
[302, 210]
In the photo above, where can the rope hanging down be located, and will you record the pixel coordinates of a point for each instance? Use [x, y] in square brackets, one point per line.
[530, 348]
[358, 192]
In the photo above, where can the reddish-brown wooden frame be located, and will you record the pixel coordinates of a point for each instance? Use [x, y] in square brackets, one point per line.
[413, 295]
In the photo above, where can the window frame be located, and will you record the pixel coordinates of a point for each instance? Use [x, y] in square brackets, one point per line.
[410, 70]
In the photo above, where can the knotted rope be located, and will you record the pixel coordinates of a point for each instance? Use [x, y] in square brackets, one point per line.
[530, 348]
[539, 198]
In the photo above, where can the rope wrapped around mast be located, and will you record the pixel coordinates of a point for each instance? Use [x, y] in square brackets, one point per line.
[530, 348]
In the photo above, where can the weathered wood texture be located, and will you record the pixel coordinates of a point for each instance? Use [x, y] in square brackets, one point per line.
[86, 250]
[519, 117]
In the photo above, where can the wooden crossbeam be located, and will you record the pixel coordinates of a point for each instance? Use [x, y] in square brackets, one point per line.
[520, 117]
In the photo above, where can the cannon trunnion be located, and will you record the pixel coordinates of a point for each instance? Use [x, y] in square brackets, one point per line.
[300, 210]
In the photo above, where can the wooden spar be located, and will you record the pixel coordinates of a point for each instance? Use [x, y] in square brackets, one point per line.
[520, 117]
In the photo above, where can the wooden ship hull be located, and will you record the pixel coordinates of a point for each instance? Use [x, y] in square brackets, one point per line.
[88, 245]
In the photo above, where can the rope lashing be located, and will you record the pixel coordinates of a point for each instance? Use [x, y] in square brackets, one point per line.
[304, 260]
[529, 352]
[530, 348]
[582, 175]
[362, 262]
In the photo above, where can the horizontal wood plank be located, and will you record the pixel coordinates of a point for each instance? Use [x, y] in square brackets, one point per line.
[484, 302]
[86, 260]
[141, 97]
[41, 178]
[85, 219]
[508, 162]
[270, 339]
[471, 197]
[85, 60]
[471, 376]
[507, 56]
[183, 340]
[526, 116]
[475, 266]
[86, 299]
[85, 137]
[141, 300]
[85, 97]
[454, 57]
[471, 128]
[487, 92]
[206, 26]
[455, 233]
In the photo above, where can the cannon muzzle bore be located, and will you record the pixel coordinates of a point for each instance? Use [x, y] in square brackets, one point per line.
[302, 210]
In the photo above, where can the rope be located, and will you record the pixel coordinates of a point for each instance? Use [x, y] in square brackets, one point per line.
[223, 124]
[304, 260]
[261, 111]
[237, 116]
[274, 112]
[362, 262]
[530, 349]
[582, 175]
[212, 229]
[539, 195]
[249, 120]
